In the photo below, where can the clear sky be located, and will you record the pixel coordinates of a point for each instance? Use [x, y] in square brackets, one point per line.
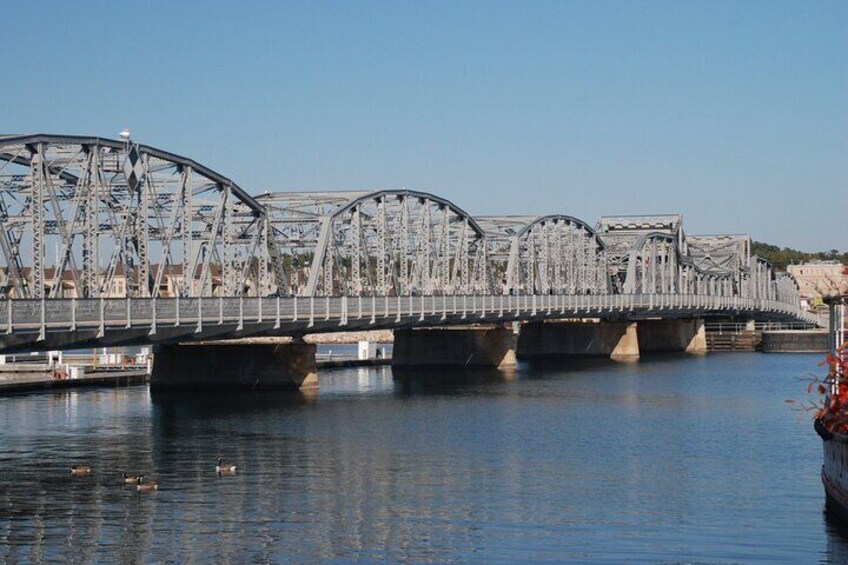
[734, 113]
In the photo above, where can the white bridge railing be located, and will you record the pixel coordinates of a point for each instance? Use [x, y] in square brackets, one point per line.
[301, 314]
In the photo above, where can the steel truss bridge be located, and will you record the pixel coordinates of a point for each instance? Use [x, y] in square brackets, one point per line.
[113, 242]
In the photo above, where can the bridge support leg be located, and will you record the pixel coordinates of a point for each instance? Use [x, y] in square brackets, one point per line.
[617, 340]
[235, 365]
[484, 346]
[673, 335]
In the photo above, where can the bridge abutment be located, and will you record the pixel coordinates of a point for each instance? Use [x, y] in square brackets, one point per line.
[485, 346]
[686, 335]
[616, 340]
[235, 365]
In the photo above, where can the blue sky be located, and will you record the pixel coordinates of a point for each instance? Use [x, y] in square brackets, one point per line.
[733, 113]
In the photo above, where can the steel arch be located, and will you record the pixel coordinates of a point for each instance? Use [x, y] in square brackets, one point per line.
[380, 243]
[656, 265]
[552, 254]
[119, 216]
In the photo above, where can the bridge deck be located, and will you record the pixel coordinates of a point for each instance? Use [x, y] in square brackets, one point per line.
[77, 323]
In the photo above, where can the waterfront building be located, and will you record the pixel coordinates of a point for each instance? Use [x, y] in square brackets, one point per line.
[819, 278]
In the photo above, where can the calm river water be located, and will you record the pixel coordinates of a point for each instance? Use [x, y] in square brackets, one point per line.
[674, 459]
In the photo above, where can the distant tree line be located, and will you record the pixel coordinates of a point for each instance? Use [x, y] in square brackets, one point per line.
[781, 257]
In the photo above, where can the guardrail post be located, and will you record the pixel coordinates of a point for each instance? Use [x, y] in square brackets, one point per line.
[42, 333]
[343, 321]
[199, 327]
[241, 314]
[152, 317]
[177, 315]
[102, 330]
[359, 299]
[326, 308]
[129, 312]
[464, 305]
[73, 314]
[374, 309]
[259, 320]
[277, 322]
[397, 318]
[221, 309]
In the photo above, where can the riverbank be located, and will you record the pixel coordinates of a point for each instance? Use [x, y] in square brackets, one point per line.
[27, 379]
[116, 378]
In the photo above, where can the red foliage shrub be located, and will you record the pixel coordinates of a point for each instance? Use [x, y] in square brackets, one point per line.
[833, 412]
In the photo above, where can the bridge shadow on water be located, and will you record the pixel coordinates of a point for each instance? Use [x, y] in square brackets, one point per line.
[448, 381]
[541, 368]
[176, 405]
[459, 381]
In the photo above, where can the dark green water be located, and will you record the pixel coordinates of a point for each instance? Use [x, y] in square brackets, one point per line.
[674, 459]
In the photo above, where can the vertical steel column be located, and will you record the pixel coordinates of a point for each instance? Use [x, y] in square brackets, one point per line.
[37, 221]
[383, 247]
[356, 251]
[404, 286]
[186, 218]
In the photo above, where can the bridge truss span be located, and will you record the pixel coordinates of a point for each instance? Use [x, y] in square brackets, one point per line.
[107, 217]
[382, 243]
[123, 239]
[553, 254]
[656, 264]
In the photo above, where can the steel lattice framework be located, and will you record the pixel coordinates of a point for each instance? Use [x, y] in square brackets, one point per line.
[382, 243]
[554, 254]
[126, 224]
[656, 265]
[105, 208]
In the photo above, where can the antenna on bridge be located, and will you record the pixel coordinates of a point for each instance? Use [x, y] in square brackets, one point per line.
[125, 134]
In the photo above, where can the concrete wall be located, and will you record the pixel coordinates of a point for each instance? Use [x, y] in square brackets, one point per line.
[672, 335]
[795, 341]
[485, 346]
[618, 340]
[232, 365]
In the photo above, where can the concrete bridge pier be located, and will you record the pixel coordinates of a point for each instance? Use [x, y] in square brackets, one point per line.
[621, 341]
[235, 365]
[616, 340]
[489, 346]
[673, 335]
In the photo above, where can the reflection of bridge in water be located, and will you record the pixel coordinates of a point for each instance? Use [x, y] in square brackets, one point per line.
[110, 242]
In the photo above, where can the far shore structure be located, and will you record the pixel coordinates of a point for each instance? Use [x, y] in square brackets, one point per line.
[819, 279]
